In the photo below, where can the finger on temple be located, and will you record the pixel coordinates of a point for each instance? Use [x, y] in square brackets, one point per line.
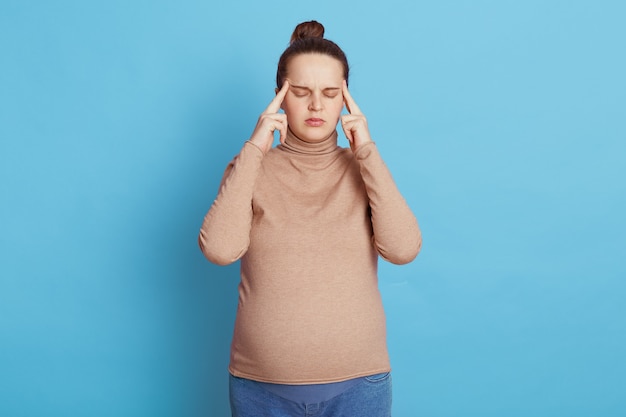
[350, 103]
[274, 105]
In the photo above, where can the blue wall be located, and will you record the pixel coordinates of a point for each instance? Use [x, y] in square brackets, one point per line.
[502, 121]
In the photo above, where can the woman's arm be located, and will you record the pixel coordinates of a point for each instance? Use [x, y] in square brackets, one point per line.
[397, 236]
[225, 233]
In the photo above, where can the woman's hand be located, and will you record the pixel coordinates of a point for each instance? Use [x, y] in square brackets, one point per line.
[269, 121]
[354, 124]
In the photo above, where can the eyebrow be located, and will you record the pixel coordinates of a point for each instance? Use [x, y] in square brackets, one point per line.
[307, 88]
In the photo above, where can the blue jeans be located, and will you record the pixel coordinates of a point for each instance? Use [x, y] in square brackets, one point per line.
[369, 398]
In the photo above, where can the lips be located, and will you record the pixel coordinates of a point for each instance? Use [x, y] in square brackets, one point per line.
[314, 122]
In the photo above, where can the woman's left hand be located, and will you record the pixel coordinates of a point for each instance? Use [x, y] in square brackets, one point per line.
[354, 124]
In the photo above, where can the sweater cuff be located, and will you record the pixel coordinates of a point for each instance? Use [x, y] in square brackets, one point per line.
[250, 144]
[365, 150]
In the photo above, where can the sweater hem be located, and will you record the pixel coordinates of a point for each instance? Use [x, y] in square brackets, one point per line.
[258, 378]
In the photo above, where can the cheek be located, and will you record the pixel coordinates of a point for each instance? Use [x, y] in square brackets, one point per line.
[291, 106]
[335, 107]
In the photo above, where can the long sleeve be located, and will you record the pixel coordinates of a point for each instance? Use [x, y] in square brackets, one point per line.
[397, 236]
[225, 233]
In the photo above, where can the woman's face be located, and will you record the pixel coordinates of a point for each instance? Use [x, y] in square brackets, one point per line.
[314, 101]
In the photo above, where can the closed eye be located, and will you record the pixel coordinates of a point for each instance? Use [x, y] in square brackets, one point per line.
[331, 92]
[301, 91]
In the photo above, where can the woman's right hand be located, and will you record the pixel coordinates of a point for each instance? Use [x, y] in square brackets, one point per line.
[269, 121]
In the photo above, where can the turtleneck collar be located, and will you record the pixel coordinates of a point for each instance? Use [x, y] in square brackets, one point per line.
[296, 145]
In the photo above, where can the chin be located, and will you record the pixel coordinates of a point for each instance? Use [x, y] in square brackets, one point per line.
[314, 134]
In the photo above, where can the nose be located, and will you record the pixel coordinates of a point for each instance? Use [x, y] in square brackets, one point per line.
[316, 103]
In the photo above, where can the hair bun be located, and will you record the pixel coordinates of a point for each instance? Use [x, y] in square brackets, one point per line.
[310, 29]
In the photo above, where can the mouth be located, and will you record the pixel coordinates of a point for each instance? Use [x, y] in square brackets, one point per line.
[314, 122]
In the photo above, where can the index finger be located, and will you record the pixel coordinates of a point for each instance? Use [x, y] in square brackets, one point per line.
[274, 105]
[350, 103]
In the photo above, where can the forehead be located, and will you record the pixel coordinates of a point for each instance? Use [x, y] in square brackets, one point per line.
[315, 69]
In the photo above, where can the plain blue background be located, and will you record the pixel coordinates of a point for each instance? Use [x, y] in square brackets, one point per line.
[503, 123]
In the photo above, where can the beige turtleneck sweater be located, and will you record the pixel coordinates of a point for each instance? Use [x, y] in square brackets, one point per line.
[308, 221]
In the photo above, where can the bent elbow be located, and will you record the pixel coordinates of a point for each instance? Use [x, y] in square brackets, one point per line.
[416, 246]
[218, 253]
[404, 253]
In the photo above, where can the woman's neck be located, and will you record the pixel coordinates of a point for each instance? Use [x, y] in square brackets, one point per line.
[297, 145]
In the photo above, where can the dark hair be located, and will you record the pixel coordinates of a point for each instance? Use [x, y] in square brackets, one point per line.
[308, 38]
